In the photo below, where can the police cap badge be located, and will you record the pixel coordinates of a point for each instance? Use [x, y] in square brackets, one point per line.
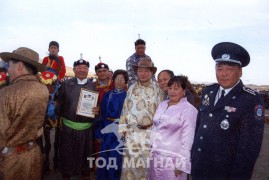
[230, 53]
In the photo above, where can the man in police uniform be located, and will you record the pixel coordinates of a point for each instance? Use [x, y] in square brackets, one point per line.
[230, 122]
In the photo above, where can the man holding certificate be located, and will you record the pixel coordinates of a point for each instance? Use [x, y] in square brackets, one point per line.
[77, 99]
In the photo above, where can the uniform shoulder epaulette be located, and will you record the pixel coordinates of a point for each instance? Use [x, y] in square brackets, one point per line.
[249, 90]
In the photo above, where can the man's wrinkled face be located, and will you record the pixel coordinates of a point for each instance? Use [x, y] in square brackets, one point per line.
[227, 75]
[81, 71]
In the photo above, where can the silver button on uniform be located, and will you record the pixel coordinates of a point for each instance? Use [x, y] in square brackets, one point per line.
[210, 115]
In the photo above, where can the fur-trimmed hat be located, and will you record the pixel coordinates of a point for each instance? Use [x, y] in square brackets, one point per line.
[101, 65]
[80, 62]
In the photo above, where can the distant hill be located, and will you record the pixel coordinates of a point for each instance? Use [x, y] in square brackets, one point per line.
[252, 86]
[261, 87]
[69, 72]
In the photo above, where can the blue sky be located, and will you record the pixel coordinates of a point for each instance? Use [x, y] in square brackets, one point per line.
[179, 33]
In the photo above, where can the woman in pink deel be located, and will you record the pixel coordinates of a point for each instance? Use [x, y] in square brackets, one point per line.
[172, 134]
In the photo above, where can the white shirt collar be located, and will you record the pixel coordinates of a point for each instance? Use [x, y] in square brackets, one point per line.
[229, 89]
[226, 92]
[83, 81]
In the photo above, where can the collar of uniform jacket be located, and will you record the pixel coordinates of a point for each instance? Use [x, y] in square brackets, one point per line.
[231, 96]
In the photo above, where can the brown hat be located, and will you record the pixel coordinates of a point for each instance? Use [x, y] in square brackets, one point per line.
[25, 55]
[147, 63]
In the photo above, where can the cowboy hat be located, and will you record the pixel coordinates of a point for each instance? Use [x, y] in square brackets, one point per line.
[146, 63]
[25, 55]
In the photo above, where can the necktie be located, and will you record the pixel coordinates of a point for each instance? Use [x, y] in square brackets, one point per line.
[219, 96]
[222, 94]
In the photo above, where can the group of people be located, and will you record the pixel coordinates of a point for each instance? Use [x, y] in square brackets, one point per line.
[141, 127]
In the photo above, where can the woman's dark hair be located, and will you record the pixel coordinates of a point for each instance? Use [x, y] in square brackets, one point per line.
[169, 72]
[178, 80]
[120, 71]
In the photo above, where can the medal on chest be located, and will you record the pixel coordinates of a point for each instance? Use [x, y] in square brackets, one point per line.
[224, 124]
[205, 101]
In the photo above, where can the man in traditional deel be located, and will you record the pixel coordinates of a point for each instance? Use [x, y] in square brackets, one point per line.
[135, 124]
[230, 122]
[22, 113]
[76, 141]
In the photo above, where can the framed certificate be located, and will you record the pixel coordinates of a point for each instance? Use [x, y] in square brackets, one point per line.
[87, 100]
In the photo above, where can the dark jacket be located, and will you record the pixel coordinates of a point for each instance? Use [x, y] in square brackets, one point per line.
[228, 135]
[69, 93]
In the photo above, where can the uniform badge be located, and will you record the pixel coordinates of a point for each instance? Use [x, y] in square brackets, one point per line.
[258, 112]
[225, 56]
[229, 109]
[224, 124]
[205, 101]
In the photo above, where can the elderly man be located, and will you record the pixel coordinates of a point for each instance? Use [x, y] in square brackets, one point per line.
[230, 121]
[140, 47]
[140, 104]
[23, 107]
[76, 143]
